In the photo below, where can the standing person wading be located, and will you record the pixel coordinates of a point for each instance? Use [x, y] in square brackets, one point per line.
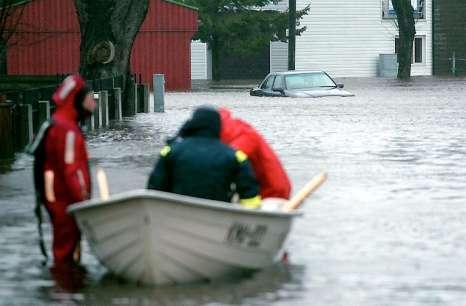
[61, 171]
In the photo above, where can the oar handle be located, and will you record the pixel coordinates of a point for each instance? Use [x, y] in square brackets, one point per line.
[306, 191]
[102, 183]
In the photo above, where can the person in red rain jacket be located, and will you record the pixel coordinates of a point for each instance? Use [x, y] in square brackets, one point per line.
[273, 180]
[61, 170]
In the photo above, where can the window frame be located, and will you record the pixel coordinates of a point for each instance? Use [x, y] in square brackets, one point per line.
[423, 49]
[419, 13]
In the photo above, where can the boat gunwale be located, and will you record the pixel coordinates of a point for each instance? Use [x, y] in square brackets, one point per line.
[179, 199]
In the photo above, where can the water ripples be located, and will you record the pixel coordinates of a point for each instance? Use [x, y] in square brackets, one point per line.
[387, 228]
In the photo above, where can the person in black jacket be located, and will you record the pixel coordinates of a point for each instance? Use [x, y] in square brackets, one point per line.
[197, 164]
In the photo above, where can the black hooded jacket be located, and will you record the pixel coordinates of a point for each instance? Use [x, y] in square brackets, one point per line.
[199, 165]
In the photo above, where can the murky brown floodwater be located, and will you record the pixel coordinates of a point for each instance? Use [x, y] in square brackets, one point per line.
[388, 227]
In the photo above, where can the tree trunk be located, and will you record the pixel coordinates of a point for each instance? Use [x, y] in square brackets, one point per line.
[108, 29]
[407, 30]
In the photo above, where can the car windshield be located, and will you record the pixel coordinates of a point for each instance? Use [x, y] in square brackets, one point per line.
[308, 80]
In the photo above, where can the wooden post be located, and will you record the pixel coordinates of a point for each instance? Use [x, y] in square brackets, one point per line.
[97, 112]
[159, 93]
[7, 147]
[88, 124]
[130, 106]
[140, 98]
[25, 125]
[145, 97]
[453, 64]
[30, 123]
[104, 107]
[136, 98]
[111, 104]
[44, 111]
[31, 97]
[117, 103]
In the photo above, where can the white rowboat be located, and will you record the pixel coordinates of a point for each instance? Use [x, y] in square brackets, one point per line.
[154, 237]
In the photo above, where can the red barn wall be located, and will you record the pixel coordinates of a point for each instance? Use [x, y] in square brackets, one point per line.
[49, 39]
[163, 44]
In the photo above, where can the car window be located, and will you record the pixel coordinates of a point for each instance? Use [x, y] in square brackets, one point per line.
[268, 83]
[308, 80]
[278, 83]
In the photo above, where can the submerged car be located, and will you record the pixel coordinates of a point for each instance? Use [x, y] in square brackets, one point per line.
[299, 84]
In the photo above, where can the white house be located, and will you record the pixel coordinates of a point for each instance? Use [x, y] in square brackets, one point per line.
[345, 38]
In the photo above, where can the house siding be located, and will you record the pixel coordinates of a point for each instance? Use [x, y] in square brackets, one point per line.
[345, 38]
[200, 57]
[278, 56]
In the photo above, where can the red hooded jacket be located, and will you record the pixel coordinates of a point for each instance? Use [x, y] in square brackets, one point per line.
[65, 168]
[238, 134]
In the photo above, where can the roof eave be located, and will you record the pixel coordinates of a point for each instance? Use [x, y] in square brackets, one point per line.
[182, 4]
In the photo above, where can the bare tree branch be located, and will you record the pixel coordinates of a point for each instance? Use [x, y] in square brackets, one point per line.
[11, 12]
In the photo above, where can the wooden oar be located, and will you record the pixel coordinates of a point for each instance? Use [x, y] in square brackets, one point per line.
[102, 183]
[296, 201]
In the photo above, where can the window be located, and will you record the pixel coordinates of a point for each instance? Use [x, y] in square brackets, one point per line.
[278, 83]
[388, 12]
[267, 84]
[418, 49]
[308, 80]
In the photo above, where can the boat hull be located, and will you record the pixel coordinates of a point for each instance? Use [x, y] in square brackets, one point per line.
[156, 238]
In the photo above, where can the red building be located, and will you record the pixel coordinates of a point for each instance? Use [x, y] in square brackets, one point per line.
[48, 41]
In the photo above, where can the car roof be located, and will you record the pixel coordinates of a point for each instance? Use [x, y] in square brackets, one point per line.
[297, 72]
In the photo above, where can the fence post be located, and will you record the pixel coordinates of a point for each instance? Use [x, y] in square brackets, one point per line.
[31, 97]
[159, 93]
[140, 98]
[117, 100]
[453, 64]
[111, 104]
[104, 107]
[97, 115]
[145, 97]
[90, 120]
[131, 103]
[136, 98]
[44, 111]
[7, 147]
[25, 125]
[88, 124]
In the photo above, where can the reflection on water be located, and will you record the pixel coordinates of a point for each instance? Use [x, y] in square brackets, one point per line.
[263, 288]
[387, 228]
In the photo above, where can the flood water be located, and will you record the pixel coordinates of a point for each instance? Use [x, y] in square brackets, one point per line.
[387, 228]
